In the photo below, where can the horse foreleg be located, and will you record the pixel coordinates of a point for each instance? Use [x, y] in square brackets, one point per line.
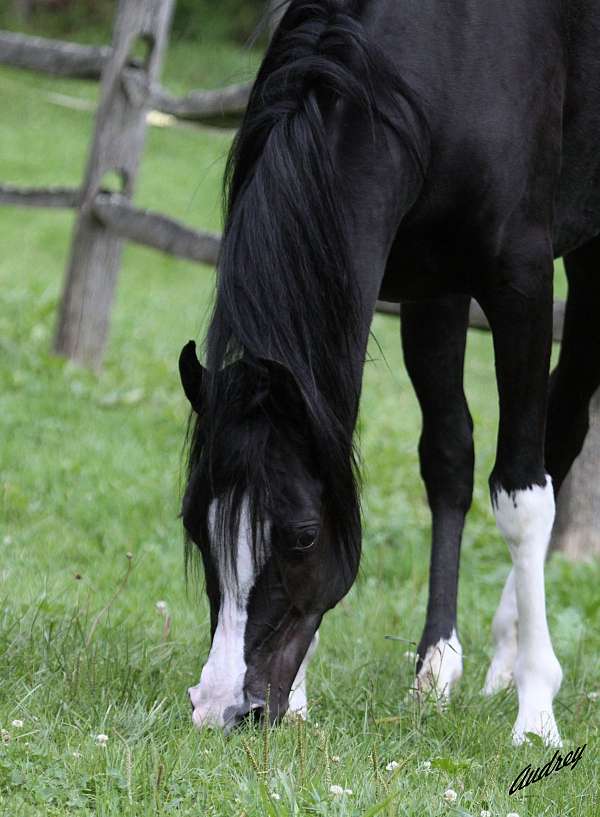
[433, 337]
[518, 303]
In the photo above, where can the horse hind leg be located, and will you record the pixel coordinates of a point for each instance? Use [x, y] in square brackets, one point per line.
[577, 374]
[433, 337]
[500, 674]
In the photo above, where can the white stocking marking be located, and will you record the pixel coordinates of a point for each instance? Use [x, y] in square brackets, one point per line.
[504, 629]
[441, 668]
[525, 520]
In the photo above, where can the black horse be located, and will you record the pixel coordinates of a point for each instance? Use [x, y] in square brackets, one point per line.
[417, 152]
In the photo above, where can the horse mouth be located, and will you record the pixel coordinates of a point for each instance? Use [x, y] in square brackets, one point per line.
[252, 711]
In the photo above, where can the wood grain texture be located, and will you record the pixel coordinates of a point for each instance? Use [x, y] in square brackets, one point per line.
[223, 106]
[155, 230]
[53, 56]
[39, 196]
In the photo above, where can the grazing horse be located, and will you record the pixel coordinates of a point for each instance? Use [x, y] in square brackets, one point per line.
[423, 153]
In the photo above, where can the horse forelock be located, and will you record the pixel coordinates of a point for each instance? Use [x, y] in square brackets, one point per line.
[240, 476]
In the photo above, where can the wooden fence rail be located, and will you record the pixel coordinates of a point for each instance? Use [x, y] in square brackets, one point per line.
[155, 230]
[53, 56]
[115, 212]
[58, 58]
[39, 196]
[478, 320]
[223, 106]
[170, 236]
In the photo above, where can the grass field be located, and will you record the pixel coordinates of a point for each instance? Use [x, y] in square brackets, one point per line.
[90, 472]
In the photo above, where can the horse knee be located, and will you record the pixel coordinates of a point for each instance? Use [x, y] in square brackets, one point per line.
[525, 518]
[447, 460]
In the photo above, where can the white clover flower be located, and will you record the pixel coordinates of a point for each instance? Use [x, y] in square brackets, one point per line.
[17, 723]
[593, 696]
[393, 764]
[450, 796]
[161, 607]
[335, 758]
[425, 766]
[76, 755]
[512, 814]
[337, 791]
[101, 740]
[275, 796]
[485, 813]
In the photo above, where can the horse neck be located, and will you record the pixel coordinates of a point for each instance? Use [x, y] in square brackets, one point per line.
[382, 196]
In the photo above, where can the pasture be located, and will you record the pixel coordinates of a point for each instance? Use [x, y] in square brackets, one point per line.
[90, 474]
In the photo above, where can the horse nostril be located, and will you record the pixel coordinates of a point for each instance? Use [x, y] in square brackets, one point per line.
[247, 713]
[234, 720]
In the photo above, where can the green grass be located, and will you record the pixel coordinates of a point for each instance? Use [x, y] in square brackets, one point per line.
[90, 472]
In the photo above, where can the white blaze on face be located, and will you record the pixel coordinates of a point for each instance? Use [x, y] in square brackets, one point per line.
[298, 702]
[222, 679]
[221, 686]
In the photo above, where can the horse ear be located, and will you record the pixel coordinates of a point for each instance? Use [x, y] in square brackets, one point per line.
[280, 383]
[273, 368]
[192, 373]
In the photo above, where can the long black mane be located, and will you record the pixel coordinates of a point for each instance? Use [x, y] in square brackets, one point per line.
[283, 343]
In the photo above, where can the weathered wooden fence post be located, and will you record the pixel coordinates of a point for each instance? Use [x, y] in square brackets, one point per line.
[577, 528]
[116, 149]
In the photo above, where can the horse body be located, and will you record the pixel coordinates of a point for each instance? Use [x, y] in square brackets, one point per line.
[424, 154]
[513, 106]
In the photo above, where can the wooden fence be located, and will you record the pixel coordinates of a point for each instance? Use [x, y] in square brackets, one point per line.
[130, 88]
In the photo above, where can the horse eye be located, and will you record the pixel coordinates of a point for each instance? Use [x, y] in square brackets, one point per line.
[306, 539]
